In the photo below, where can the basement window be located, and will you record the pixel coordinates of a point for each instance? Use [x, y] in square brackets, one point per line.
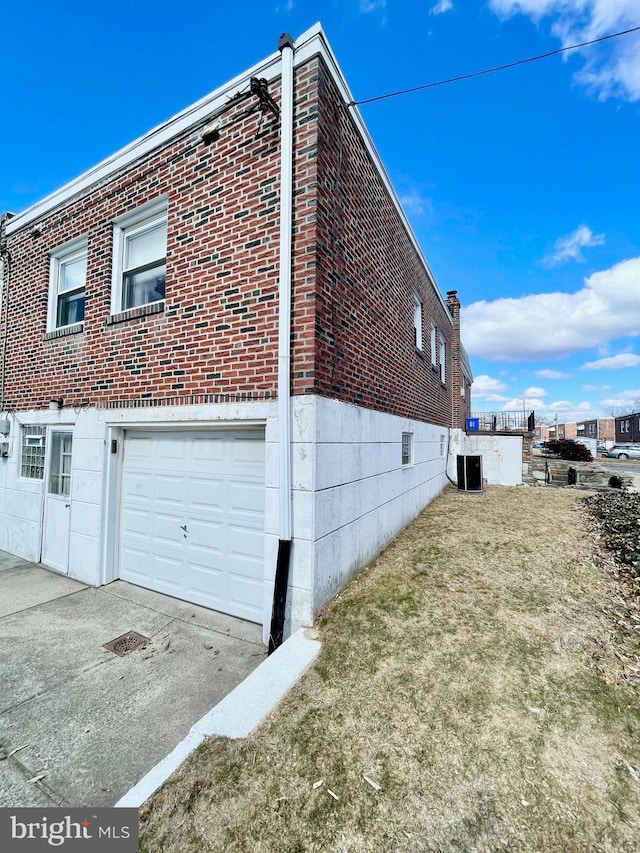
[32, 455]
[407, 448]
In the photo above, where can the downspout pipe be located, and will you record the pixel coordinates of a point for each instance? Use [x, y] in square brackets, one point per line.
[286, 48]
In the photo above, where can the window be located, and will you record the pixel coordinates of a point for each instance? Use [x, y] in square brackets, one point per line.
[443, 358]
[407, 448]
[60, 463]
[139, 257]
[417, 321]
[32, 456]
[433, 345]
[67, 279]
[442, 440]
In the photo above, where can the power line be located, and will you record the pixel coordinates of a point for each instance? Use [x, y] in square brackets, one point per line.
[496, 68]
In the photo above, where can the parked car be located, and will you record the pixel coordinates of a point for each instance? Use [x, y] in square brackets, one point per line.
[624, 451]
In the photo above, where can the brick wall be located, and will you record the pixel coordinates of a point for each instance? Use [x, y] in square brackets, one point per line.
[367, 274]
[218, 329]
[355, 273]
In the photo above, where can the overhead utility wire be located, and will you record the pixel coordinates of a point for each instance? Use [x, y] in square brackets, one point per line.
[496, 68]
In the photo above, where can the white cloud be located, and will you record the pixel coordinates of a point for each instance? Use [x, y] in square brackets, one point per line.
[367, 6]
[545, 325]
[569, 248]
[614, 362]
[611, 69]
[552, 374]
[535, 392]
[484, 385]
[441, 7]
[596, 387]
[416, 204]
[623, 400]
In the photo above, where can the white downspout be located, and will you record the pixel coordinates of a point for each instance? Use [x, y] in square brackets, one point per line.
[284, 289]
[281, 580]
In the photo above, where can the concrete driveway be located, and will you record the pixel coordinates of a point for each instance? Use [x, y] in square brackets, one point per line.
[80, 725]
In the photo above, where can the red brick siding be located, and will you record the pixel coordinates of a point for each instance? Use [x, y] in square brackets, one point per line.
[354, 275]
[218, 330]
[367, 271]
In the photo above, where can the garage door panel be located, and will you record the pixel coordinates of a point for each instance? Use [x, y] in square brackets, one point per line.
[212, 484]
[248, 450]
[136, 522]
[170, 490]
[207, 494]
[137, 486]
[246, 499]
[207, 450]
[134, 564]
[168, 574]
[245, 597]
[246, 544]
[207, 536]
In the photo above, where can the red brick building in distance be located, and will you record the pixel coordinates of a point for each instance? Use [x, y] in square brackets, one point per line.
[224, 338]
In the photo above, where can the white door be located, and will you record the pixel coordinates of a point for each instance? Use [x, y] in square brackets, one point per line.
[192, 517]
[57, 501]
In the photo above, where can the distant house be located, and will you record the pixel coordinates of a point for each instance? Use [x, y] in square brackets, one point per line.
[601, 429]
[226, 352]
[627, 428]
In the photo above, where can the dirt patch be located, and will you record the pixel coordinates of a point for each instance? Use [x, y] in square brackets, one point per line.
[466, 698]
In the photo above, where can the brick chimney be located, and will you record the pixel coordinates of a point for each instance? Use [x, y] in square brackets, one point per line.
[457, 414]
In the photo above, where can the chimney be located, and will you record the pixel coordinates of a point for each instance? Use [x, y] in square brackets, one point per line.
[457, 414]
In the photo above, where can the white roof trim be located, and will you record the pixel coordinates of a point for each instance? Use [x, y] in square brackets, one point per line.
[311, 43]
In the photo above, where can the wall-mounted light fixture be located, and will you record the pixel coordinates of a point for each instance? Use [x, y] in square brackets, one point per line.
[55, 405]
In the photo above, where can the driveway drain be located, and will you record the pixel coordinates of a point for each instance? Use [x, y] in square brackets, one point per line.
[127, 643]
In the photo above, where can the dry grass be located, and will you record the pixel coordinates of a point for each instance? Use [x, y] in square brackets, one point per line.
[462, 673]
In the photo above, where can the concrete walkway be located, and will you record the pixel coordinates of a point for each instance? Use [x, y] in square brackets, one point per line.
[78, 724]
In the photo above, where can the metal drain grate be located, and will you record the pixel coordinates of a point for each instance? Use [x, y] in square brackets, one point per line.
[128, 642]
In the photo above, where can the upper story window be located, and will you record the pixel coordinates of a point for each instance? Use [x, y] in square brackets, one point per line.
[433, 345]
[139, 257]
[443, 359]
[67, 280]
[417, 321]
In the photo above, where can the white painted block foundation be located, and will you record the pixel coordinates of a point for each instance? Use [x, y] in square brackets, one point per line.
[351, 493]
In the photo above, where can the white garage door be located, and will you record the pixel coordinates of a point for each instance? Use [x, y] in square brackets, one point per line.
[192, 517]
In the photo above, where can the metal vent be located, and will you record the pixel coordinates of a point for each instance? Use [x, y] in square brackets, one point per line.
[128, 642]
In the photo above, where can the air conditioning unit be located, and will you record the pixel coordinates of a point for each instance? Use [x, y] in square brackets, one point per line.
[469, 473]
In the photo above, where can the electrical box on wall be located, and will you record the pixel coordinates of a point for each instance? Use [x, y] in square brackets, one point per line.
[4, 446]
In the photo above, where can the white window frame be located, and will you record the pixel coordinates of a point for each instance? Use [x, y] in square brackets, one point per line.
[434, 347]
[144, 217]
[443, 359]
[407, 449]
[417, 320]
[59, 480]
[74, 251]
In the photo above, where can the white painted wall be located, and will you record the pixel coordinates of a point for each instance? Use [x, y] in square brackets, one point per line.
[356, 493]
[351, 495]
[501, 457]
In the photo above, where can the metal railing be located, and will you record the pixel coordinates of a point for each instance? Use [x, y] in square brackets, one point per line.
[503, 421]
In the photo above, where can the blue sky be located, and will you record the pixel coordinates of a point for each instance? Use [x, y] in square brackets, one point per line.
[523, 186]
